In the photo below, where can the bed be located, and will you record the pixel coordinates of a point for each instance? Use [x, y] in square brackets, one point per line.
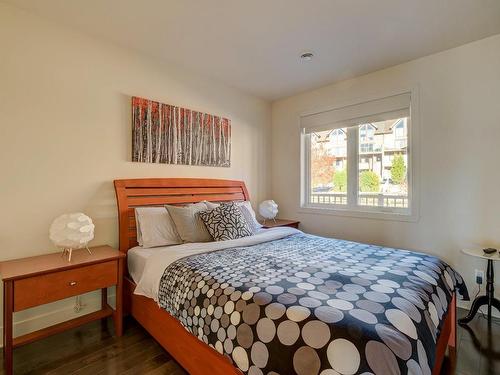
[282, 301]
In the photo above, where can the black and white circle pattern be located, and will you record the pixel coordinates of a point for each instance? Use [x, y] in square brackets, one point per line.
[312, 305]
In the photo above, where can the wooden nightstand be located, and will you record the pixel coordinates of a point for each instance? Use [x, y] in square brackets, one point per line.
[34, 281]
[280, 223]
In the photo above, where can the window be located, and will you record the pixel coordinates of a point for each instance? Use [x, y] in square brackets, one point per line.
[366, 133]
[399, 129]
[366, 147]
[338, 136]
[383, 184]
[328, 156]
[338, 141]
[356, 158]
[400, 134]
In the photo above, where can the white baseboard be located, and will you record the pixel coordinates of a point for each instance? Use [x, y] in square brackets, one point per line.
[33, 322]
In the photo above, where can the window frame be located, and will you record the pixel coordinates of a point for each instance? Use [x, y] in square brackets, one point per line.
[352, 208]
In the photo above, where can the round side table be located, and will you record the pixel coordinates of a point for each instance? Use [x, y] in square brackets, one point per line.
[487, 299]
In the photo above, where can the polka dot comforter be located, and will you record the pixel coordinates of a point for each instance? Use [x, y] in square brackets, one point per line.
[311, 305]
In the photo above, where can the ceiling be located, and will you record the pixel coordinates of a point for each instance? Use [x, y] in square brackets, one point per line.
[254, 45]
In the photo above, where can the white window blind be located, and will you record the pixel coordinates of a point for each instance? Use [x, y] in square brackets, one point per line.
[396, 106]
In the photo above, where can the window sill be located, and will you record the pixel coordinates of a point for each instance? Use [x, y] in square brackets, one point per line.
[346, 212]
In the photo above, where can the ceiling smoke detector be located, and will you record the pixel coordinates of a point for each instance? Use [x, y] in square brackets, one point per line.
[306, 56]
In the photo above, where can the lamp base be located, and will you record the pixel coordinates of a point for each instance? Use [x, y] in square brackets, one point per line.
[69, 252]
[269, 219]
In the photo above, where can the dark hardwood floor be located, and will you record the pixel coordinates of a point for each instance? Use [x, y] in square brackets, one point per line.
[92, 350]
[478, 346]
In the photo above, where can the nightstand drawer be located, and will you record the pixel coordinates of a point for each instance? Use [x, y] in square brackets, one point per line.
[38, 290]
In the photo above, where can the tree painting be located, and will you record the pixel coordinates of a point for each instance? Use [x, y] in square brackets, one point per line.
[163, 133]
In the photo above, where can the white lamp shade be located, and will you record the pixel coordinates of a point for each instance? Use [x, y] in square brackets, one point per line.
[268, 209]
[72, 231]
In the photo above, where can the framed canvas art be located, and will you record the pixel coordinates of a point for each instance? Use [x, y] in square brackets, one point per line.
[163, 133]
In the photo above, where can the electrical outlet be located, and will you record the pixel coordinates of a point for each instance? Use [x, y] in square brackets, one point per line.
[479, 275]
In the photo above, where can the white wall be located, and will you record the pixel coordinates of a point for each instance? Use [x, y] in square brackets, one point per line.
[65, 133]
[459, 154]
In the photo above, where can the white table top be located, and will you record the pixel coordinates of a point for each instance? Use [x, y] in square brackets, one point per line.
[479, 253]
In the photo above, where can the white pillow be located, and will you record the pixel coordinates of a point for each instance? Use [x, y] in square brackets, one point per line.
[249, 214]
[155, 227]
[211, 205]
[247, 211]
[188, 223]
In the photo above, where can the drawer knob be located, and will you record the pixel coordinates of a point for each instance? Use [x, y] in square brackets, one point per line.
[72, 283]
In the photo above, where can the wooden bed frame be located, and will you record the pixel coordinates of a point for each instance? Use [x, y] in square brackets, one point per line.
[191, 353]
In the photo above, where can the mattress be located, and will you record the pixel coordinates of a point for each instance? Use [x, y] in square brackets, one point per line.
[138, 256]
[288, 302]
[136, 261]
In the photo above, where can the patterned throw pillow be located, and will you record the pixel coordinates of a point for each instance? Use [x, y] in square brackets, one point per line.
[246, 210]
[225, 222]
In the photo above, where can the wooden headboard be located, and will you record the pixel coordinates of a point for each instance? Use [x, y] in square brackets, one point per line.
[159, 191]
